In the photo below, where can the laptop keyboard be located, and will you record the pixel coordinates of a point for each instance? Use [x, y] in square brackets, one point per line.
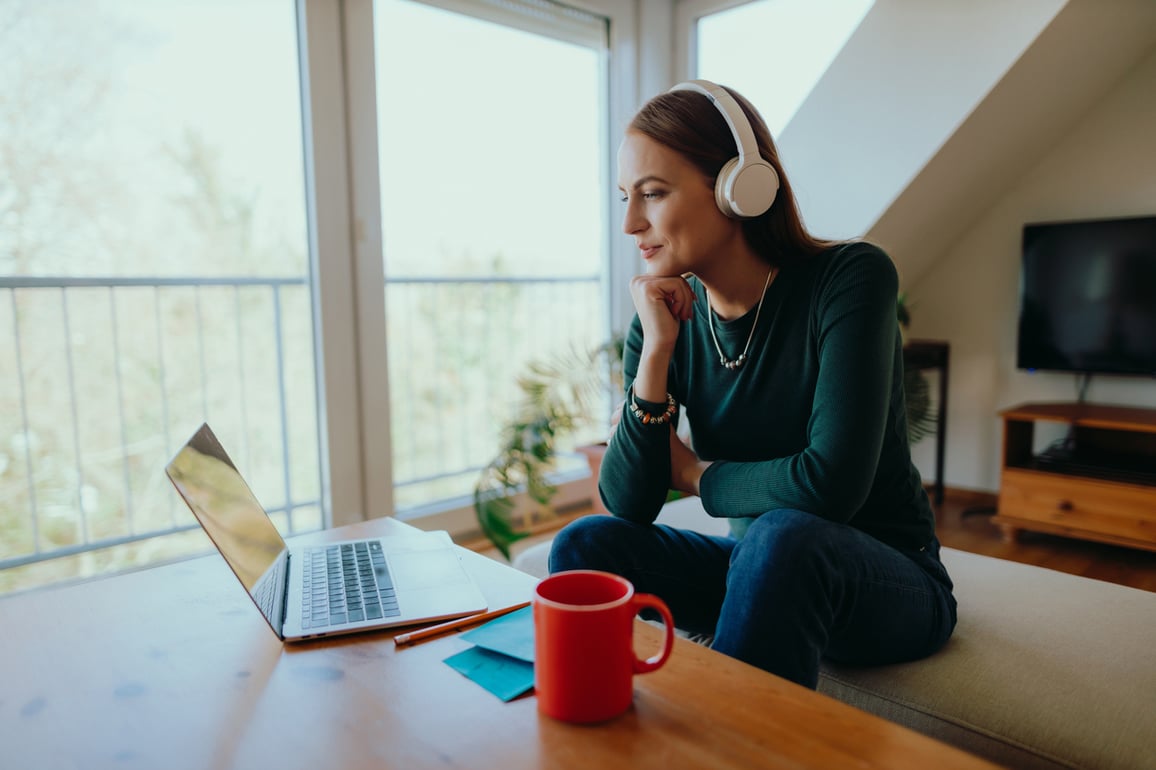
[346, 583]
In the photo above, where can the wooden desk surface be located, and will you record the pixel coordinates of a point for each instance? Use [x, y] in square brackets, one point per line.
[173, 668]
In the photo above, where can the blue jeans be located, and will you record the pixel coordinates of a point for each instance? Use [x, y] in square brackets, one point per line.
[796, 588]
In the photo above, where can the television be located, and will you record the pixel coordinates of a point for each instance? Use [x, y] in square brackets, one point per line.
[1088, 297]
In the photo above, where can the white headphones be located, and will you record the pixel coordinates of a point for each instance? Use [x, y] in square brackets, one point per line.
[746, 184]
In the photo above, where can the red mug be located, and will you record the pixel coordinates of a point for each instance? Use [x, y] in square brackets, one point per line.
[584, 660]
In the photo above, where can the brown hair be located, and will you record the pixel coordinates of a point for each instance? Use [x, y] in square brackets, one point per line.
[687, 123]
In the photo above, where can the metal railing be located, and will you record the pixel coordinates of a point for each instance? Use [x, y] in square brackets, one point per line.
[457, 347]
[107, 375]
[103, 377]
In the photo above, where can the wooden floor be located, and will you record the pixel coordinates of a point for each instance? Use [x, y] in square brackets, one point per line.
[964, 522]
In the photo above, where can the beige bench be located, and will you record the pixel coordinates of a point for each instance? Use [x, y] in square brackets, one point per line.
[1045, 669]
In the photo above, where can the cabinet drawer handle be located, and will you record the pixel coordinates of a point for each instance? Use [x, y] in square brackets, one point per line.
[1065, 505]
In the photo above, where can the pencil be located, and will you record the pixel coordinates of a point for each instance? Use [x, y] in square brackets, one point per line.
[453, 625]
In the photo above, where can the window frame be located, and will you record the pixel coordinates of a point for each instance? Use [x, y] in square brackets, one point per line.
[686, 16]
[339, 92]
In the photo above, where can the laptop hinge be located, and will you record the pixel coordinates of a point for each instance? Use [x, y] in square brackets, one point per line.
[285, 593]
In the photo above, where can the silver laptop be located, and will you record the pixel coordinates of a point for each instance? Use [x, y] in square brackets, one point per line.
[323, 589]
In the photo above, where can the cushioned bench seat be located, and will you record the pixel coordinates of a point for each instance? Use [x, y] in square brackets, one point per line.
[1045, 669]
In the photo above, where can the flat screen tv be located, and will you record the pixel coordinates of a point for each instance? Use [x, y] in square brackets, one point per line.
[1088, 297]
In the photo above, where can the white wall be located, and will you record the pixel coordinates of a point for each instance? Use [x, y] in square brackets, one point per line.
[906, 79]
[1105, 166]
[1084, 52]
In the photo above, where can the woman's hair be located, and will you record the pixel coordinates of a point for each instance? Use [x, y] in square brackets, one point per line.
[686, 122]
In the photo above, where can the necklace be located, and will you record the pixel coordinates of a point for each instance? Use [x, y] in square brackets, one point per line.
[742, 359]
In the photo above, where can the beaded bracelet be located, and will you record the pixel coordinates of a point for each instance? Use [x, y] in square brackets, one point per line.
[653, 419]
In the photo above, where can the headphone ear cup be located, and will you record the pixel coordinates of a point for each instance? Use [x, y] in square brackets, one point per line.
[743, 192]
[722, 184]
[752, 188]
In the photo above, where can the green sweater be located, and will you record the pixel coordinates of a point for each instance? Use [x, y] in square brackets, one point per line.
[814, 420]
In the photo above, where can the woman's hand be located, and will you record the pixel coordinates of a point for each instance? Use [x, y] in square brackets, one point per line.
[662, 302]
[685, 468]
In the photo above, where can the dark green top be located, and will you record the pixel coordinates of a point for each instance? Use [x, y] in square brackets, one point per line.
[813, 421]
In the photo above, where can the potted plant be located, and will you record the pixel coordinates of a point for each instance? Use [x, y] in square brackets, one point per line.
[558, 397]
[916, 389]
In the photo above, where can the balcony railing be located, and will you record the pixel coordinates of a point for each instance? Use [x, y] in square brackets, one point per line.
[456, 349]
[104, 377]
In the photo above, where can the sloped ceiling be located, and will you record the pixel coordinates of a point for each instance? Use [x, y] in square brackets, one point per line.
[1087, 48]
[933, 109]
[903, 83]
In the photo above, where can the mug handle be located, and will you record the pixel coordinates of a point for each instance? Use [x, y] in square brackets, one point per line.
[641, 602]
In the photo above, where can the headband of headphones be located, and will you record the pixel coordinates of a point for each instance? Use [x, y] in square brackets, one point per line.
[746, 184]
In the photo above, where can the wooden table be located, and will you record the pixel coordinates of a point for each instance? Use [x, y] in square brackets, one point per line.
[173, 668]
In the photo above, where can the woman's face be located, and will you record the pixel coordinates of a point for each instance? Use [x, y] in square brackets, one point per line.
[671, 210]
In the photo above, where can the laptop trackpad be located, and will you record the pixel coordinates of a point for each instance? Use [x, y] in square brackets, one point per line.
[414, 570]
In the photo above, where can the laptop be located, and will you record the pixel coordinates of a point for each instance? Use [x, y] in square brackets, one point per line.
[328, 588]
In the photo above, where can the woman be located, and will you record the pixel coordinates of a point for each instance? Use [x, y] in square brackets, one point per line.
[783, 353]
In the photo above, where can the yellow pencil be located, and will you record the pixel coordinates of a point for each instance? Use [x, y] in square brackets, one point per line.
[453, 625]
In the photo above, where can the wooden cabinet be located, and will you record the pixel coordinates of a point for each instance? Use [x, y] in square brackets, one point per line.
[1098, 483]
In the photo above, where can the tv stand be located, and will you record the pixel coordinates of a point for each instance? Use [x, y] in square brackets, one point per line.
[1101, 485]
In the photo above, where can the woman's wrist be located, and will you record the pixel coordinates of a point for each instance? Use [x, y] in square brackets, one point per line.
[653, 413]
[650, 382]
[661, 351]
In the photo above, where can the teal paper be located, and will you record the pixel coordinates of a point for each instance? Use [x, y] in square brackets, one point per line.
[511, 635]
[502, 675]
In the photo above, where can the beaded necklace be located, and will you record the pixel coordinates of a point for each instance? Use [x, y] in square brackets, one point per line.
[742, 359]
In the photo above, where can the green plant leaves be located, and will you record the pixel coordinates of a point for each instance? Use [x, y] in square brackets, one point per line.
[921, 422]
[559, 395]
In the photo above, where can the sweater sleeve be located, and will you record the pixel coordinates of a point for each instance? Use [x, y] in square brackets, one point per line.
[635, 474]
[854, 328]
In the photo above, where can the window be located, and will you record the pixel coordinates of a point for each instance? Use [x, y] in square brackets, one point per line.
[772, 51]
[491, 140]
[154, 273]
[173, 250]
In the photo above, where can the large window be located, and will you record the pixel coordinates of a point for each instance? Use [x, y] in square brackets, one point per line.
[491, 139]
[154, 273]
[182, 239]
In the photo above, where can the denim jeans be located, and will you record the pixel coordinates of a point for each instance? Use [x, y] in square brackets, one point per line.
[795, 589]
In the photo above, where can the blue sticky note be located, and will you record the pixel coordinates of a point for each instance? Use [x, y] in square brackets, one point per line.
[502, 675]
[511, 634]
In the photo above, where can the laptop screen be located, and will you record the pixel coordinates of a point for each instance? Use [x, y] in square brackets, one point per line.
[229, 512]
